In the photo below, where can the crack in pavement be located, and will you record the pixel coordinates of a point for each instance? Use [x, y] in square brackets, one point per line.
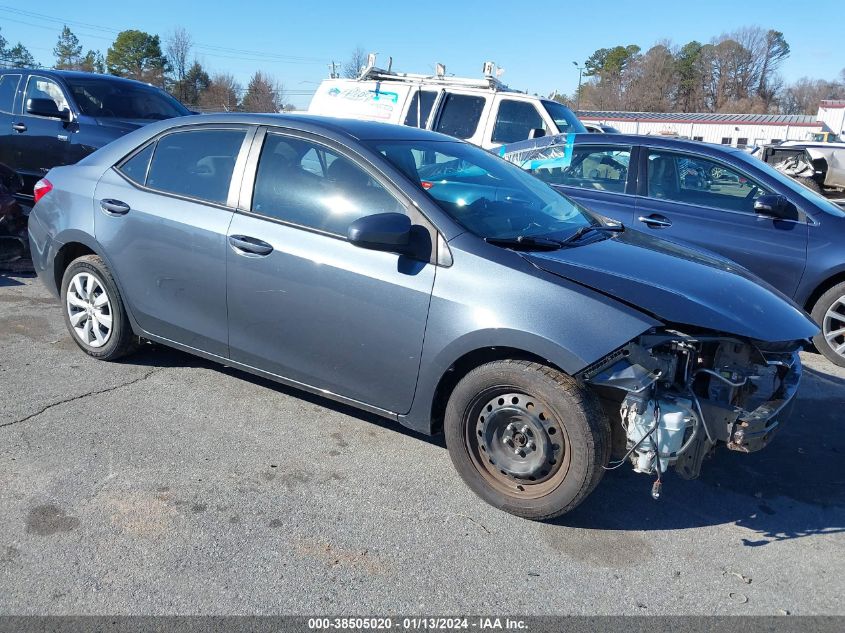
[81, 396]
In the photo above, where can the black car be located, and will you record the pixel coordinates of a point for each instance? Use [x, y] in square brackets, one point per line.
[50, 118]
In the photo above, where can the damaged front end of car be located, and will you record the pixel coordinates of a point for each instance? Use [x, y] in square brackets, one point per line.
[675, 395]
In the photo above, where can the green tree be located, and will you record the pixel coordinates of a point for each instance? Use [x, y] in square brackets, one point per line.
[93, 62]
[19, 57]
[68, 50]
[195, 83]
[137, 55]
[263, 94]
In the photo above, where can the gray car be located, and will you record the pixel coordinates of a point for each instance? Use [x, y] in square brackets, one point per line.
[423, 279]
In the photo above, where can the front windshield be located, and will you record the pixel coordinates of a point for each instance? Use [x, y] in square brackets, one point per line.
[818, 200]
[121, 100]
[564, 118]
[486, 195]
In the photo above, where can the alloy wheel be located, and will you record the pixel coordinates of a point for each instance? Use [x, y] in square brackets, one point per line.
[833, 326]
[89, 309]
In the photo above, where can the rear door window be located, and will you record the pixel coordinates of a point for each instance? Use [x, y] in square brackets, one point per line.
[701, 182]
[136, 167]
[460, 115]
[420, 108]
[8, 89]
[515, 120]
[196, 163]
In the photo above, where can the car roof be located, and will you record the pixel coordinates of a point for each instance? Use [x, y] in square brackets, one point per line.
[350, 128]
[664, 142]
[79, 74]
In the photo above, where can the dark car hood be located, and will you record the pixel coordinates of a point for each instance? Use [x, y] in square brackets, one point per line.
[124, 125]
[680, 286]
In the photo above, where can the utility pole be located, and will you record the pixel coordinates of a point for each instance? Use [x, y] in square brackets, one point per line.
[333, 66]
[578, 92]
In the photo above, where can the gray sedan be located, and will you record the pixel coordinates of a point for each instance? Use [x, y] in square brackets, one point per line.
[427, 281]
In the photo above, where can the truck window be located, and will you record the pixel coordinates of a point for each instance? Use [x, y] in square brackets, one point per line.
[8, 88]
[420, 108]
[460, 115]
[43, 88]
[515, 121]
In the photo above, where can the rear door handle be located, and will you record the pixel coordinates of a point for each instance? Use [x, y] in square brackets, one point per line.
[114, 207]
[655, 221]
[245, 245]
[18, 127]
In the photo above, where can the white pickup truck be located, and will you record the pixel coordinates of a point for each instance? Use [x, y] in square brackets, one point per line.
[482, 111]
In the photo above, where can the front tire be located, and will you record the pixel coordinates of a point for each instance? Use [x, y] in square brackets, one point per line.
[829, 314]
[526, 438]
[94, 312]
[810, 184]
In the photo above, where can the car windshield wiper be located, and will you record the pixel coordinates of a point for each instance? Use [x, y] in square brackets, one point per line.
[526, 242]
[577, 235]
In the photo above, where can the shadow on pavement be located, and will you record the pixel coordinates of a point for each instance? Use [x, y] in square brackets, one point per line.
[795, 487]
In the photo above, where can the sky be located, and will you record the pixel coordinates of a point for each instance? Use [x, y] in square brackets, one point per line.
[534, 42]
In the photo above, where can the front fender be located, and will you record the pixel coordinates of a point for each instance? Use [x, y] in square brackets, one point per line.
[517, 306]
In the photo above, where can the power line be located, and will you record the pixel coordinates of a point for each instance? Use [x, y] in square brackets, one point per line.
[254, 55]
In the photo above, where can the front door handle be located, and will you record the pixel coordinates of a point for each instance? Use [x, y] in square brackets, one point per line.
[19, 127]
[114, 207]
[245, 245]
[655, 221]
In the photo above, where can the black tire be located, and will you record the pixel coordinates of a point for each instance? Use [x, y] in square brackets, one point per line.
[810, 184]
[826, 302]
[574, 423]
[120, 340]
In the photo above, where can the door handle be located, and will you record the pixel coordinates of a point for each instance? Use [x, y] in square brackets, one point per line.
[655, 221]
[19, 127]
[245, 245]
[114, 207]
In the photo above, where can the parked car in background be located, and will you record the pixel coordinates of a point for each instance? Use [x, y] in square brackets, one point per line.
[425, 280]
[817, 165]
[599, 128]
[482, 111]
[714, 197]
[56, 117]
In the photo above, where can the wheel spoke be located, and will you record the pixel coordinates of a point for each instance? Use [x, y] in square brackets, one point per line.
[76, 301]
[101, 300]
[98, 335]
[77, 318]
[89, 287]
[80, 291]
[103, 319]
[840, 349]
[87, 331]
[834, 333]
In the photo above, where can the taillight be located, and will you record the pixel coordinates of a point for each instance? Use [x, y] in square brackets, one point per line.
[42, 188]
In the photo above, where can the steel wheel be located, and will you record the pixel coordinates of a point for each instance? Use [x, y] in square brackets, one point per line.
[517, 444]
[89, 309]
[833, 326]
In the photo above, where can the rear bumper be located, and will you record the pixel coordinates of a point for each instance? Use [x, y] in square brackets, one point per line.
[753, 430]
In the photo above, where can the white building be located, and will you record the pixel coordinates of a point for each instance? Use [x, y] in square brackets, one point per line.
[832, 114]
[738, 130]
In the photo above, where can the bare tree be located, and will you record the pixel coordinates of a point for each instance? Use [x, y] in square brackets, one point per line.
[221, 94]
[355, 64]
[178, 49]
[651, 81]
[803, 96]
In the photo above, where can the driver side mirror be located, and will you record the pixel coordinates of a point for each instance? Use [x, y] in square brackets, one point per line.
[47, 108]
[537, 132]
[381, 232]
[775, 206]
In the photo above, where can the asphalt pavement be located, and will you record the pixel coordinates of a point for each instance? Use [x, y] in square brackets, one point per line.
[165, 484]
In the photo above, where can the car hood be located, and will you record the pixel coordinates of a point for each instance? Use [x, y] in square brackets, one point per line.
[123, 125]
[680, 286]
